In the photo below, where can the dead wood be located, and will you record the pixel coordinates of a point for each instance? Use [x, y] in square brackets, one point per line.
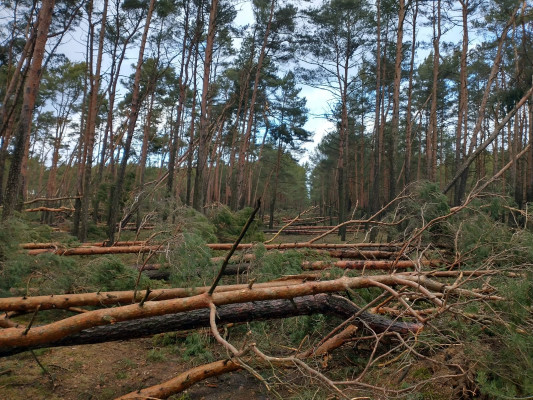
[234, 247]
[300, 231]
[364, 264]
[138, 245]
[46, 199]
[14, 337]
[366, 254]
[336, 341]
[87, 251]
[184, 380]
[233, 313]
[65, 301]
[55, 245]
[48, 209]
[305, 245]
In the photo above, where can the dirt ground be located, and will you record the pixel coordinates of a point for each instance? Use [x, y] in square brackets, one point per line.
[107, 370]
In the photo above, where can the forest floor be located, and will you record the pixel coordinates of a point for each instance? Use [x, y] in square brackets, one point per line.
[108, 370]
[105, 371]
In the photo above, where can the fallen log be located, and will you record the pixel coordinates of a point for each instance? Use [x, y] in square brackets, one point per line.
[299, 231]
[183, 380]
[64, 301]
[136, 245]
[304, 245]
[364, 264]
[233, 313]
[88, 251]
[24, 338]
[367, 254]
[49, 209]
[359, 254]
[46, 199]
[56, 245]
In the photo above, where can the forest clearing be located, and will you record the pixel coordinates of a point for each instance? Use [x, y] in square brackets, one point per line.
[210, 199]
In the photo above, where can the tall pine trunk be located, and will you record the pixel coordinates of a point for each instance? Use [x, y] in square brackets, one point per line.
[31, 87]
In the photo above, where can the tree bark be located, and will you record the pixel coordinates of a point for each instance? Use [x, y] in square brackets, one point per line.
[90, 130]
[31, 88]
[232, 313]
[24, 338]
[116, 191]
[432, 133]
[396, 100]
[204, 134]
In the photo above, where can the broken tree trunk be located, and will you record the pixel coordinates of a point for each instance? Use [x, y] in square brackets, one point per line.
[305, 245]
[88, 251]
[365, 264]
[233, 313]
[65, 301]
[24, 338]
[384, 248]
[184, 380]
[48, 209]
[56, 245]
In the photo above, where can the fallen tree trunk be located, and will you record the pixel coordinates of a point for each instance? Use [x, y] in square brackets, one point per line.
[64, 301]
[364, 264]
[305, 245]
[233, 313]
[299, 231]
[366, 254]
[24, 338]
[136, 245]
[46, 199]
[184, 380]
[49, 209]
[56, 245]
[88, 251]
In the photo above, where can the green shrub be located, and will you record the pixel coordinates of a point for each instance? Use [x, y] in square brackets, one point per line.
[189, 262]
[229, 225]
[108, 273]
[273, 264]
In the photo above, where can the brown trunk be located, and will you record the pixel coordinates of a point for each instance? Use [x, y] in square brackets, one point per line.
[462, 117]
[409, 118]
[90, 131]
[396, 101]
[31, 87]
[376, 165]
[364, 264]
[203, 132]
[250, 123]
[232, 313]
[116, 192]
[462, 172]
[186, 53]
[432, 133]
